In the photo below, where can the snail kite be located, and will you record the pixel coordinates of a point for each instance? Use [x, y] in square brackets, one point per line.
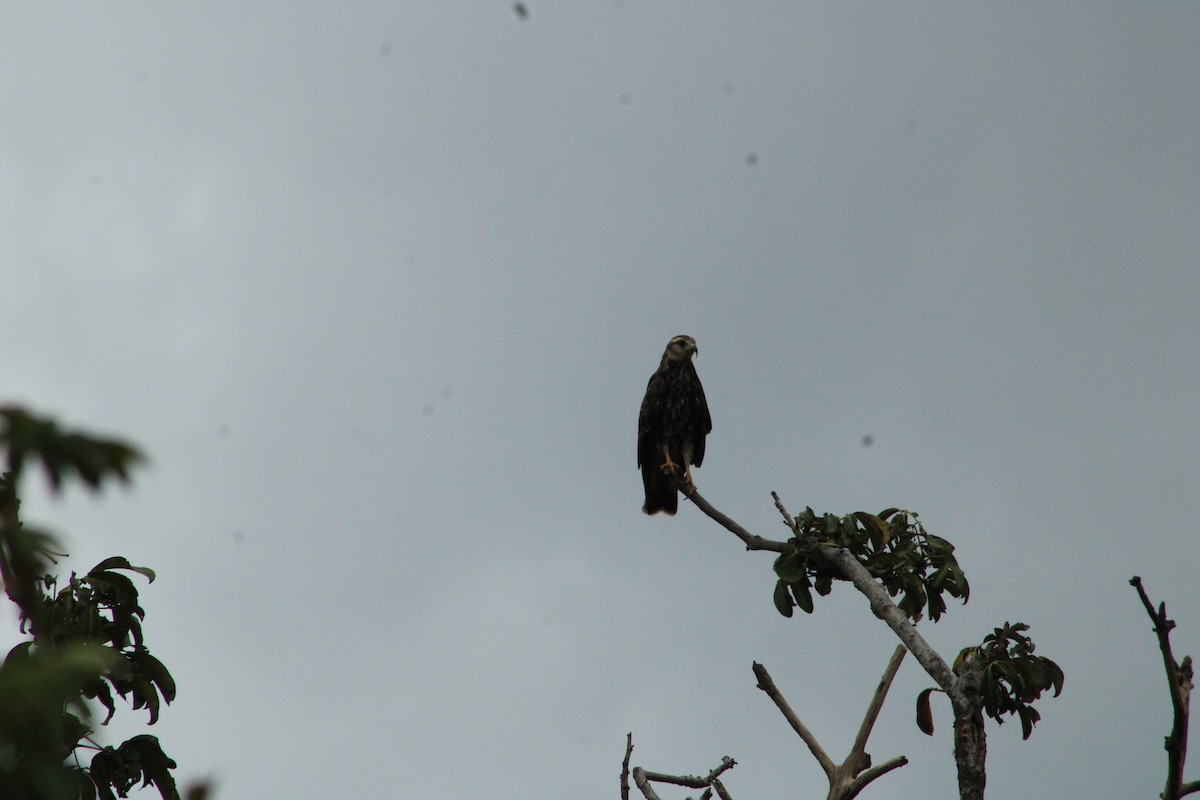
[672, 426]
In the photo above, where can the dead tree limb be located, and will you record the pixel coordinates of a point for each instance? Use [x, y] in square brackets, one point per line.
[643, 778]
[850, 777]
[625, 766]
[859, 750]
[767, 685]
[1179, 682]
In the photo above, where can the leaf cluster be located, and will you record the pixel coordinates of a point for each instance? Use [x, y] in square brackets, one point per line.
[41, 704]
[893, 545]
[119, 768]
[1012, 676]
[102, 606]
[86, 639]
[63, 454]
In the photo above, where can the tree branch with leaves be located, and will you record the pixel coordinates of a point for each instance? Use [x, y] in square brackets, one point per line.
[905, 573]
[85, 639]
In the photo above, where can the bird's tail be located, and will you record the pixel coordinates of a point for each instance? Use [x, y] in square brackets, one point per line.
[660, 492]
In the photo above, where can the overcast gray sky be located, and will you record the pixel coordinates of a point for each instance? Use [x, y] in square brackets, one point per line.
[378, 286]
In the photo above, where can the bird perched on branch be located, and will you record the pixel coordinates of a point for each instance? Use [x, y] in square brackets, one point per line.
[671, 427]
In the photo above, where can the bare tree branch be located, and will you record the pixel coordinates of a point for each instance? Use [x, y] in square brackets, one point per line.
[870, 774]
[751, 541]
[726, 763]
[1179, 682]
[885, 683]
[768, 685]
[644, 778]
[690, 781]
[850, 777]
[625, 766]
[643, 783]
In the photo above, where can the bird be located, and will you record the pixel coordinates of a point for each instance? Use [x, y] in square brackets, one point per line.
[672, 424]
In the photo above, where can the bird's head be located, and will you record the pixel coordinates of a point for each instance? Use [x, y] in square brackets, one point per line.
[681, 348]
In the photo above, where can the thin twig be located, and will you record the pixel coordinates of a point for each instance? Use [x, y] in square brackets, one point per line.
[788, 519]
[726, 763]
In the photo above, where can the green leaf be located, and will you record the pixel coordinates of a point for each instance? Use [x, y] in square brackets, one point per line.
[108, 773]
[1029, 717]
[936, 606]
[87, 789]
[938, 579]
[73, 729]
[114, 588]
[120, 562]
[878, 532]
[803, 596]
[1056, 676]
[924, 712]
[145, 695]
[791, 567]
[156, 765]
[98, 690]
[783, 600]
[159, 675]
[89, 458]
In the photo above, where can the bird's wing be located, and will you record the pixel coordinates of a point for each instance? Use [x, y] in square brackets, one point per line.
[650, 420]
[701, 420]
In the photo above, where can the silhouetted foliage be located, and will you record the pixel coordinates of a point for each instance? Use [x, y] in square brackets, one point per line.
[85, 639]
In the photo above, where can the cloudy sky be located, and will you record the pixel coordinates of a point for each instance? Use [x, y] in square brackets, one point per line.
[378, 287]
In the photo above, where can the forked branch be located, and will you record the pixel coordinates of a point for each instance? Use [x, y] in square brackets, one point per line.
[643, 778]
[850, 777]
